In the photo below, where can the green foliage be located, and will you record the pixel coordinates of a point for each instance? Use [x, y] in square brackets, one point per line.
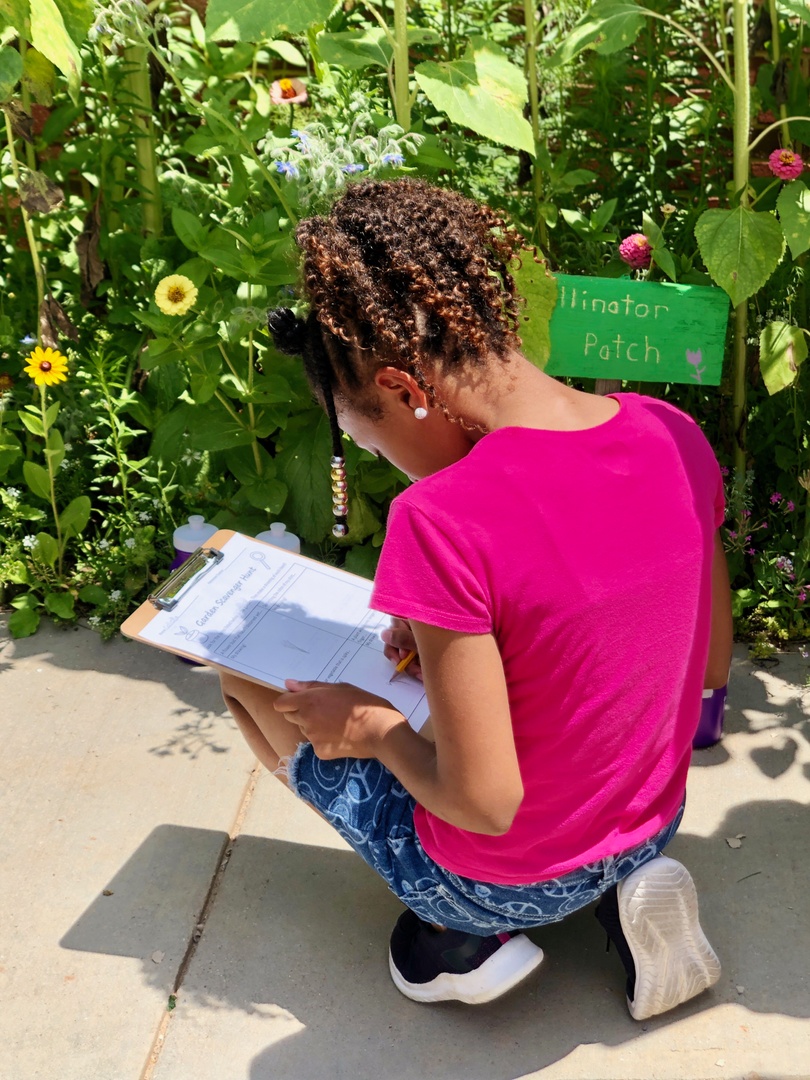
[741, 249]
[165, 415]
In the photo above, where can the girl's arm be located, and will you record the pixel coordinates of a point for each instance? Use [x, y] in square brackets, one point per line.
[470, 777]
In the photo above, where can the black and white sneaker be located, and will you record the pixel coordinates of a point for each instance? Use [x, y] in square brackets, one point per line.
[652, 919]
[447, 965]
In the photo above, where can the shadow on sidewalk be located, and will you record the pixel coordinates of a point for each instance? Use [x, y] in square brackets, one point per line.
[297, 939]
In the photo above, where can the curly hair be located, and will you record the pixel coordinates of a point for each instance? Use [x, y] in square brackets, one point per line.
[403, 273]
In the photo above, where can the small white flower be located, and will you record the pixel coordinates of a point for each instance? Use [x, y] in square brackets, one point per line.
[116, 594]
[64, 464]
[157, 503]
[29, 541]
[95, 620]
[103, 544]
[143, 516]
[129, 543]
[13, 493]
[68, 447]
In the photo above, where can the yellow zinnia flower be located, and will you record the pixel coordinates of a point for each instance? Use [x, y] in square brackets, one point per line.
[175, 294]
[46, 367]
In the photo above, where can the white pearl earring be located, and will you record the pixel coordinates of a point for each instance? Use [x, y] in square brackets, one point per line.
[420, 413]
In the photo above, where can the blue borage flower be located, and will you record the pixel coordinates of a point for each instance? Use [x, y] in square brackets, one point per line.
[353, 167]
[394, 160]
[304, 142]
[286, 168]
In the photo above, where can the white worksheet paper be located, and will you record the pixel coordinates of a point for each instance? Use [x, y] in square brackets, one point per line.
[265, 613]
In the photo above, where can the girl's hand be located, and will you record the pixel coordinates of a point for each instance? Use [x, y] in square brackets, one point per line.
[338, 719]
[399, 641]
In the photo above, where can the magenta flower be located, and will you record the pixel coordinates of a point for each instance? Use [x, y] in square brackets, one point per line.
[785, 164]
[802, 596]
[724, 470]
[791, 506]
[775, 498]
[636, 251]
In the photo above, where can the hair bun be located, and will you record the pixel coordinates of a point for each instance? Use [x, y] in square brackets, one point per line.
[289, 333]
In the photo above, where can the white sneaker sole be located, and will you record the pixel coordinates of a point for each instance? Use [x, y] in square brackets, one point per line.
[510, 965]
[658, 909]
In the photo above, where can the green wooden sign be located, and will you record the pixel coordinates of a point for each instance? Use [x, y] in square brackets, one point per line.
[615, 328]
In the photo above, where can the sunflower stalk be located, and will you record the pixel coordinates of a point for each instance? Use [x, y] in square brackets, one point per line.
[60, 543]
[136, 82]
[39, 272]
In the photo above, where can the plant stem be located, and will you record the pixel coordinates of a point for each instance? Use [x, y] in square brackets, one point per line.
[742, 125]
[771, 127]
[119, 456]
[137, 83]
[49, 463]
[776, 53]
[402, 101]
[721, 15]
[39, 272]
[534, 107]
[718, 67]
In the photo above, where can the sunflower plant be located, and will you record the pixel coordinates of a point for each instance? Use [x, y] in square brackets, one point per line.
[47, 368]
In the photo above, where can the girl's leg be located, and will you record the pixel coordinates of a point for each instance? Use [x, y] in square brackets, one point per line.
[268, 734]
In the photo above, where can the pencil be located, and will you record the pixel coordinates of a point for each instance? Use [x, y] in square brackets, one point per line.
[403, 664]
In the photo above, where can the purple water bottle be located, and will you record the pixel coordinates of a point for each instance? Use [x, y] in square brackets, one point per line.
[189, 537]
[710, 725]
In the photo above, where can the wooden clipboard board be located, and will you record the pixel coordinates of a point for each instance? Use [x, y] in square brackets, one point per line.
[187, 575]
[352, 640]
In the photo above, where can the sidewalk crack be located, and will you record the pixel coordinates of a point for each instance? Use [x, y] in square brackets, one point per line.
[201, 919]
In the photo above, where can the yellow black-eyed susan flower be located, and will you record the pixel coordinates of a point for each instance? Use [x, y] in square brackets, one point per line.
[175, 294]
[46, 367]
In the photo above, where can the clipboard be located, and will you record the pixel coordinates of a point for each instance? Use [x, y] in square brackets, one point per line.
[262, 613]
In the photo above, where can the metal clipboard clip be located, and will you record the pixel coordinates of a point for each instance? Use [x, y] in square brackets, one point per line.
[198, 562]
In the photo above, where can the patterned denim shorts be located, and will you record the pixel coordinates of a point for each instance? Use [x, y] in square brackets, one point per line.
[374, 814]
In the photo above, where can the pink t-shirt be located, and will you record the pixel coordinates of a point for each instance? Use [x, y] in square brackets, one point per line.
[587, 554]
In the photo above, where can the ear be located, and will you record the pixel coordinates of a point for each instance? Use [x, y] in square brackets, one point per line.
[400, 387]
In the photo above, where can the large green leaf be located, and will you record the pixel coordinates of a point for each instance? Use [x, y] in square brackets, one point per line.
[75, 516]
[212, 428]
[189, 229]
[793, 207]
[37, 479]
[11, 69]
[23, 622]
[484, 91]
[15, 13]
[256, 20]
[782, 348]
[741, 249]
[356, 49]
[46, 549]
[50, 36]
[303, 463]
[77, 16]
[607, 25]
[204, 369]
[539, 289]
[60, 604]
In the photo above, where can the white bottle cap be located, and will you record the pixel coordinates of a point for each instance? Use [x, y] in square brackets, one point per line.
[190, 537]
[278, 536]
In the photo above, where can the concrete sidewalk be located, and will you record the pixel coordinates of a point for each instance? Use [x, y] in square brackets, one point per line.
[145, 856]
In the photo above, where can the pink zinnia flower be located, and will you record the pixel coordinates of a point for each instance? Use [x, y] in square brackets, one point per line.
[289, 92]
[636, 251]
[785, 164]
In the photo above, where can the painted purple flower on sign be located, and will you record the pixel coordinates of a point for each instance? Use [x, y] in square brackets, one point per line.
[696, 359]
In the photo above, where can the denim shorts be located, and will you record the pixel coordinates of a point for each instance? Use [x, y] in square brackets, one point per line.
[373, 813]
